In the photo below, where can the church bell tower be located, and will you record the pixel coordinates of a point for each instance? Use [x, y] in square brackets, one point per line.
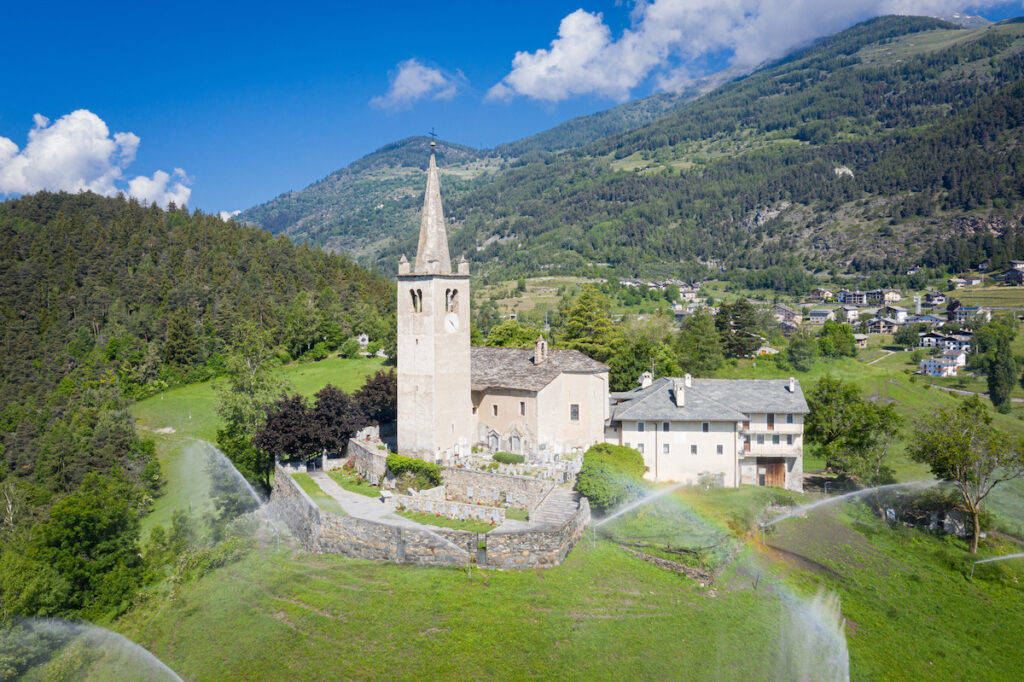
[434, 404]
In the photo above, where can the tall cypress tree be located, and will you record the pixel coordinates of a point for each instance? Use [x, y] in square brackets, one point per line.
[1002, 373]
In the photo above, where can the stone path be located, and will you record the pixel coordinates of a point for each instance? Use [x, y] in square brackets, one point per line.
[372, 509]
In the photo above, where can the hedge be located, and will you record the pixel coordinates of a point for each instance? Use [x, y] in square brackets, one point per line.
[399, 464]
[508, 458]
[610, 476]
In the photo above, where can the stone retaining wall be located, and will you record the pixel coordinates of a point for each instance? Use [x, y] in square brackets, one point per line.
[370, 461]
[329, 533]
[451, 510]
[465, 485]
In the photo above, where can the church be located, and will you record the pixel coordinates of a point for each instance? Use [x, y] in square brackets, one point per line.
[452, 397]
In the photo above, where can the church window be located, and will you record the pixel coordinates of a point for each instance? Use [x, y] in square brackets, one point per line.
[515, 443]
[451, 300]
[494, 409]
[522, 408]
[574, 412]
[417, 300]
[492, 441]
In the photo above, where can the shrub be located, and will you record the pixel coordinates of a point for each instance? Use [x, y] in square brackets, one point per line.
[349, 349]
[611, 475]
[400, 465]
[508, 458]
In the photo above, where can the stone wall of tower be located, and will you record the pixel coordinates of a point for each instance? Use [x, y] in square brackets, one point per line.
[434, 405]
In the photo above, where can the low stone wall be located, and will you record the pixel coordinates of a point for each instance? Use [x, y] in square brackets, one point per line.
[536, 548]
[328, 533]
[451, 510]
[370, 461]
[465, 485]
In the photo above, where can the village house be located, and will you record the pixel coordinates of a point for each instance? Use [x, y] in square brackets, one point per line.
[1012, 277]
[688, 294]
[850, 313]
[955, 342]
[893, 312]
[945, 364]
[788, 328]
[860, 340]
[822, 294]
[858, 297]
[935, 298]
[731, 431]
[784, 313]
[821, 316]
[884, 296]
[970, 312]
[973, 281]
[928, 320]
[882, 325]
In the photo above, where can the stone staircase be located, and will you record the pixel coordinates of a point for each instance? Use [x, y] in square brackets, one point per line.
[556, 509]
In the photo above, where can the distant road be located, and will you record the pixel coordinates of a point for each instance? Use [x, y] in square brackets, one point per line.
[963, 392]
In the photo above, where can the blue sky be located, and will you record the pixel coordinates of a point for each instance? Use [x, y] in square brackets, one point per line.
[253, 100]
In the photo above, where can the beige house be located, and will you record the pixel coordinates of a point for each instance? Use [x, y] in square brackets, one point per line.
[538, 401]
[731, 431]
[452, 398]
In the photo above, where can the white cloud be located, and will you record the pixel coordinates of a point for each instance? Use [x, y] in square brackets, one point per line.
[77, 152]
[667, 38]
[413, 81]
[228, 215]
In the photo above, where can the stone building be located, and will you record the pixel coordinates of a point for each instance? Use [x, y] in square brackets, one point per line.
[537, 402]
[732, 431]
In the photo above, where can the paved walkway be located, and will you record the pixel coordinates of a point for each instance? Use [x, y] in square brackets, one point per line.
[883, 357]
[372, 509]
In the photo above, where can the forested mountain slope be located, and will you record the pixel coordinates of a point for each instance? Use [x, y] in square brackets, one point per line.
[893, 143]
[103, 300]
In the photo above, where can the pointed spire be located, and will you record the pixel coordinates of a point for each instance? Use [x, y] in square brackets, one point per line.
[432, 253]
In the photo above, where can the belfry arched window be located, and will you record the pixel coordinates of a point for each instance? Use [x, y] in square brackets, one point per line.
[451, 300]
[417, 300]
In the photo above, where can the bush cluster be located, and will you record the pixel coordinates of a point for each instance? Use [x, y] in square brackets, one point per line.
[610, 476]
[400, 465]
[508, 458]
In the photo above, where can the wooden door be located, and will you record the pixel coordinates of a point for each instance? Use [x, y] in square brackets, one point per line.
[775, 474]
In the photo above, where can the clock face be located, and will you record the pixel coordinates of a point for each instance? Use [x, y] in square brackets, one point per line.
[451, 322]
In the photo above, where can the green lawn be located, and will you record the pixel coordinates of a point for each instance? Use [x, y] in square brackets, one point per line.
[517, 514]
[442, 522]
[992, 297]
[322, 499]
[351, 482]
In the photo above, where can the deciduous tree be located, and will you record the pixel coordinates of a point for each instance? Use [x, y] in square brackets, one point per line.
[961, 445]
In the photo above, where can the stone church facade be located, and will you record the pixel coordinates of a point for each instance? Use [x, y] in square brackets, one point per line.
[451, 397]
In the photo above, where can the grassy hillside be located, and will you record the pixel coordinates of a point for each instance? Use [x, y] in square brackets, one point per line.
[175, 419]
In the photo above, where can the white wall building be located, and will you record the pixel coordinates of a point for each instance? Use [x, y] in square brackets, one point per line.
[737, 431]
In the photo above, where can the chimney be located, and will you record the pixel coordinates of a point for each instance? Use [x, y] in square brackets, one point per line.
[688, 380]
[540, 351]
[792, 385]
[645, 380]
[679, 391]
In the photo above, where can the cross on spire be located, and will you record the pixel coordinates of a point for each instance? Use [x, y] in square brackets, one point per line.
[433, 137]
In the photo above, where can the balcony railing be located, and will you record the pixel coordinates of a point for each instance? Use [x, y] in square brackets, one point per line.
[781, 428]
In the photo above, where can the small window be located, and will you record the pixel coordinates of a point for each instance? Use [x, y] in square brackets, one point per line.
[522, 408]
[494, 409]
[574, 412]
[720, 449]
[705, 427]
[775, 439]
[789, 439]
[665, 448]
[760, 439]
[693, 449]
[640, 426]
[789, 419]
[664, 426]
[640, 448]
